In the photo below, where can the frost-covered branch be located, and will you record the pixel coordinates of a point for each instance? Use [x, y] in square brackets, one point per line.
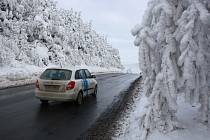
[174, 55]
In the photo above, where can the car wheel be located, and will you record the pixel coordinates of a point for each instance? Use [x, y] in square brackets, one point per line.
[95, 91]
[79, 100]
[44, 101]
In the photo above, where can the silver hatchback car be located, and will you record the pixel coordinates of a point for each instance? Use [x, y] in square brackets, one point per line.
[65, 84]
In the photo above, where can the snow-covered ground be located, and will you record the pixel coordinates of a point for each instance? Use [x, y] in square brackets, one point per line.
[187, 115]
[27, 74]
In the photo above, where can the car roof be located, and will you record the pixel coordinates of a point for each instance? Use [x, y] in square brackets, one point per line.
[72, 69]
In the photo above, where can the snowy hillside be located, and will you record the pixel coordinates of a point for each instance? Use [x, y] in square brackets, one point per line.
[35, 32]
[174, 50]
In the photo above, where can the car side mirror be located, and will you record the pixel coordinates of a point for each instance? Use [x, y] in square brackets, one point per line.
[93, 76]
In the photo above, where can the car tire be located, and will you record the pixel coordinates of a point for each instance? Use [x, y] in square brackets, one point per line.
[79, 99]
[95, 91]
[44, 101]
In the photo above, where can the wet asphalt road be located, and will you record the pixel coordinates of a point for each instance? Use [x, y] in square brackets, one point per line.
[22, 117]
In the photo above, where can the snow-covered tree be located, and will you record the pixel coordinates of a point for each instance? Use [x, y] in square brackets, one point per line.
[42, 34]
[174, 55]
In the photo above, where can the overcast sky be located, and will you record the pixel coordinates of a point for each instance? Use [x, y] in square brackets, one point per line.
[113, 18]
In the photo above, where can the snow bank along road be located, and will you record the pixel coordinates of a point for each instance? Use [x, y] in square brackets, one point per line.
[22, 116]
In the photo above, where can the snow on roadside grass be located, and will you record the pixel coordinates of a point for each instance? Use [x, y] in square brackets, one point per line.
[187, 116]
[131, 129]
[14, 76]
[27, 74]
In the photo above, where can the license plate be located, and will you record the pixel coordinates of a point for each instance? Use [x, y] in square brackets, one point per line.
[52, 87]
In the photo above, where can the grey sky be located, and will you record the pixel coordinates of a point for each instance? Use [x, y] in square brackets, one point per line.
[113, 18]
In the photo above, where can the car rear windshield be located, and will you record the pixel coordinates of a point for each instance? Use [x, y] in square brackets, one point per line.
[56, 74]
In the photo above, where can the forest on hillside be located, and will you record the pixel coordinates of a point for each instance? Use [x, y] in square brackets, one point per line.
[36, 32]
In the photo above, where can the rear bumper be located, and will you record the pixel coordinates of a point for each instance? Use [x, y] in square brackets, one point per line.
[56, 96]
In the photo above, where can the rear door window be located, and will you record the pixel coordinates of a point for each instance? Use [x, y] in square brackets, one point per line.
[80, 74]
[88, 74]
[56, 74]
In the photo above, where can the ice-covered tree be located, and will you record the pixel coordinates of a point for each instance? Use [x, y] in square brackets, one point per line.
[43, 34]
[174, 54]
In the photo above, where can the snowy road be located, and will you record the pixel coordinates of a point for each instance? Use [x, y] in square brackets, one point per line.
[22, 116]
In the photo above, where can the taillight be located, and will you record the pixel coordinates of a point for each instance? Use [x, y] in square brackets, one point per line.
[37, 84]
[70, 85]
